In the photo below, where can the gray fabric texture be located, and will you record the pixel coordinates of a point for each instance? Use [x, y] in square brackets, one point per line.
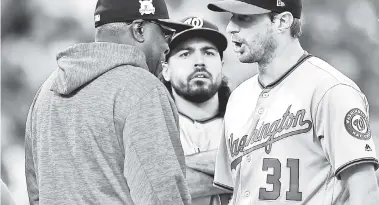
[103, 130]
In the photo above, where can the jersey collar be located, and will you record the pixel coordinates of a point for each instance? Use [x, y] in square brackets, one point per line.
[201, 121]
[303, 58]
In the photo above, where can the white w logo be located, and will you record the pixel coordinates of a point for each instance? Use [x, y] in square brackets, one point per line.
[280, 3]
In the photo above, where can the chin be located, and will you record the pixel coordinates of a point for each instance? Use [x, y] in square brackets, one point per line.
[249, 57]
[246, 59]
[196, 93]
[198, 97]
[199, 87]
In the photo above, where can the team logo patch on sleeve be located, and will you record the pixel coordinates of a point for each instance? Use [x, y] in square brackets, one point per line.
[357, 125]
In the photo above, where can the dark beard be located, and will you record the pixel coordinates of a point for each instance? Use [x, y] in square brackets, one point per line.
[198, 95]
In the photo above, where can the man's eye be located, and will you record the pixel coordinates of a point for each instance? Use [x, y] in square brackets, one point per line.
[243, 18]
[209, 53]
[185, 54]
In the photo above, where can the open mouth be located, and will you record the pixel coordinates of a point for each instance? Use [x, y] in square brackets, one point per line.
[200, 75]
[237, 44]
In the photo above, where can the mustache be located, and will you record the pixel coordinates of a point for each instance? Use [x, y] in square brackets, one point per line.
[200, 70]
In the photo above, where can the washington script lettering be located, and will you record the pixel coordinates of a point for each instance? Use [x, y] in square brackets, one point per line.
[269, 130]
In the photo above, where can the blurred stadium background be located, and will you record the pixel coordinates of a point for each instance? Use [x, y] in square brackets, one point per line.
[345, 33]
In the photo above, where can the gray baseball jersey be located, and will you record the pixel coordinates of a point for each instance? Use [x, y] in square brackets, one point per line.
[287, 143]
[197, 136]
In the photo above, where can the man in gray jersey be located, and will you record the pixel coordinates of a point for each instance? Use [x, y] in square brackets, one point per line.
[297, 132]
[193, 75]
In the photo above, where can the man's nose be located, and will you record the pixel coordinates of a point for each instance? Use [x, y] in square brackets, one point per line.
[232, 28]
[199, 61]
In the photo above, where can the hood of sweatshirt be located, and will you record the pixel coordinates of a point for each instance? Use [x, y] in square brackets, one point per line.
[84, 62]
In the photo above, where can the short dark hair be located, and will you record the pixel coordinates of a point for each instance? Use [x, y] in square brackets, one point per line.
[296, 27]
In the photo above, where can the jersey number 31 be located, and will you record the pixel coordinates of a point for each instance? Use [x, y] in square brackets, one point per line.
[293, 194]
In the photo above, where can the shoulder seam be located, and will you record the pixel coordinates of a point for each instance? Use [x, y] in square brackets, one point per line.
[324, 70]
[318, 104]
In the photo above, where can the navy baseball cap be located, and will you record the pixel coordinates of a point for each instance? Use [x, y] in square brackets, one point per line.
[110, 11]
[200, 28]
[250, 7]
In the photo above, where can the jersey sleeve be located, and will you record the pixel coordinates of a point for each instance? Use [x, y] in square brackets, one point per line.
[342, 124]
[223, 175]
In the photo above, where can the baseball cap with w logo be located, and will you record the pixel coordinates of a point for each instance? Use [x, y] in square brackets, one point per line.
[201, 28]
[251, 7]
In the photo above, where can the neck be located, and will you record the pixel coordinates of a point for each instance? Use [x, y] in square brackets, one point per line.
[197, 111]
[281, 61]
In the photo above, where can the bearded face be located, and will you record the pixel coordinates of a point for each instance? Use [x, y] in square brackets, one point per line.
[194, 70]
[252, 37]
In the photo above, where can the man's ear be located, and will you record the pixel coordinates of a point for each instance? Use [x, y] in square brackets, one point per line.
[166, 73]
[284, 21]
[138, 30]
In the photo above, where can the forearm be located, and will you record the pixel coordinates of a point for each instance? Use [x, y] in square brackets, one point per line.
[361, 182]
[202, 162]
[201, 184]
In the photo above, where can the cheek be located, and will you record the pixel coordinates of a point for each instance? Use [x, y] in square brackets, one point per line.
[157, 44]
[161, 42]
[214, 67]
[252, 39]
[180, 71]
[251, 34]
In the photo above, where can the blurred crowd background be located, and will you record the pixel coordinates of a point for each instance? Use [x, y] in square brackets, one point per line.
[345, 33]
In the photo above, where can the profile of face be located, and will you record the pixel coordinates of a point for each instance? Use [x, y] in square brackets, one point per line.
[194, 69]
[253, 37]
[155, 44]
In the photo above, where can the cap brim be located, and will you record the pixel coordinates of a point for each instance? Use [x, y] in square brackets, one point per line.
[236, 7]
[178, 26]
[217, 38]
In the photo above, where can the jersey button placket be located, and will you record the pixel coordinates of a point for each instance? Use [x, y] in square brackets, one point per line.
[246, 194]
[264, 93]
[260, 111]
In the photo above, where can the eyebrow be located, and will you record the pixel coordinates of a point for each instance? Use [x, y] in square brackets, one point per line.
[188, 48]
[209, 48]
